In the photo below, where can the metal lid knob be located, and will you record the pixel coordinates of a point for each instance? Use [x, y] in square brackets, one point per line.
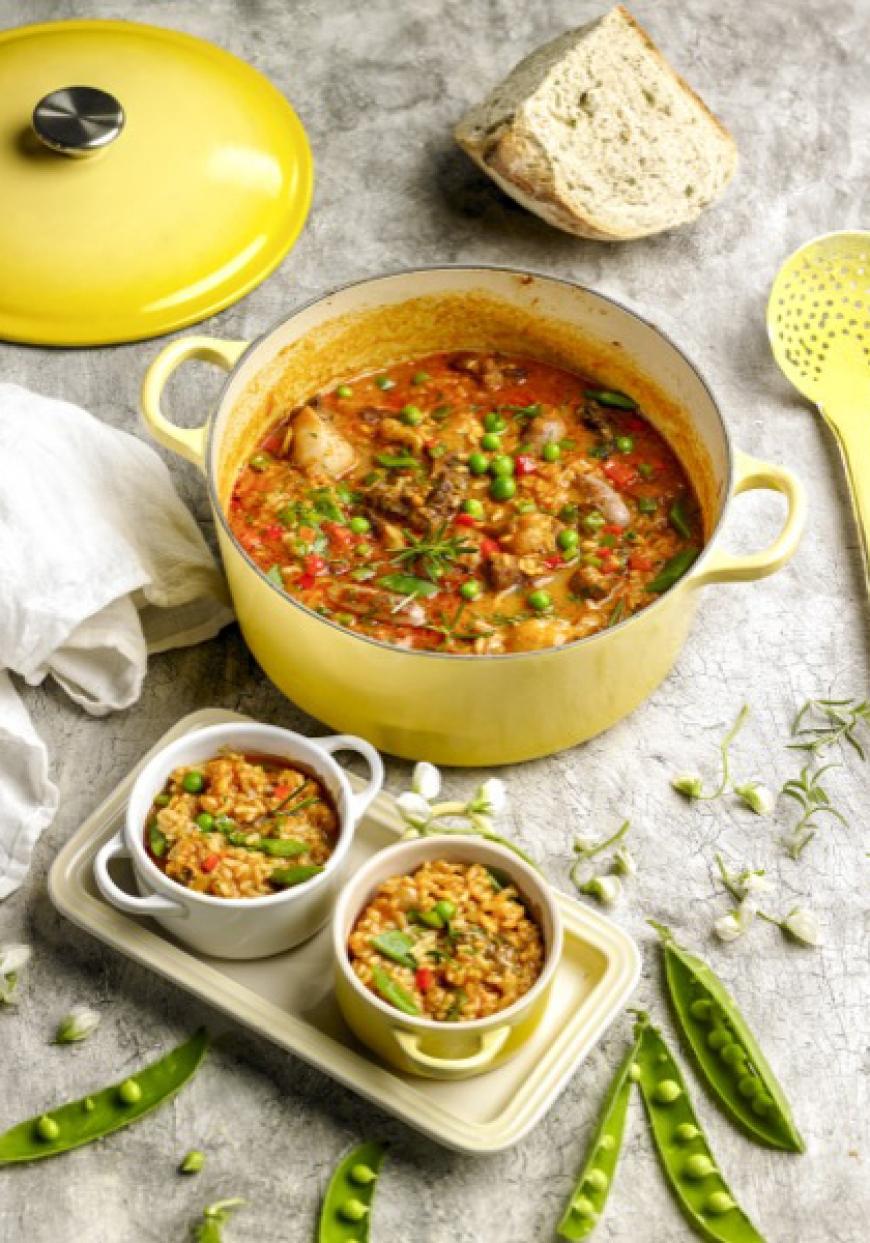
[78, 120]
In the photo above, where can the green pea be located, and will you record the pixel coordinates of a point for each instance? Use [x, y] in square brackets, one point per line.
[698, 1166]
[539, 600]
[445, 909]
[412, 415]
[359, 1173]
[205, 821]
[470, 589]
[130, 1092]
[645, 470]
[491, 441]
[493, 422]
[502, 488]
[259, 462]
[344, 390]
[568, 539]
[384, 383]
[353, 1210]
[686, 1132]
[359, 525]
[597, 1180]
[624, 444]
[89, 1104]
[551, 452]
[647, 505]
[750, 1086]
[502, 465]
[47, 1128]
[193, 782]
[607, 1143]
[718, 1038]
[634, 1072]
[478, 463]
[364, 550]
[701, 1009]
[420, 377]
[732, 1055]
[762, 1104]
[719, 1202]
[666, 1091]
[592, 521]
[583, 1206]
[473, 507]
[162, 800]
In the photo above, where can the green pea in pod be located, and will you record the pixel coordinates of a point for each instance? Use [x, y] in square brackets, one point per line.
[683, 1152]
[347, 1206]
[726, 1052]
[593, 1185]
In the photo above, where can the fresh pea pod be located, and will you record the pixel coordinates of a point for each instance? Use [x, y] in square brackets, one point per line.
[596, 1177]
[298, 875]
[393, 993]
[611, 397]
[397, 946]
[727, 1054]
[82, 1121]
[347, 1206]
[679, 519]
[672, 571]
[684, 1154]
[281, 847]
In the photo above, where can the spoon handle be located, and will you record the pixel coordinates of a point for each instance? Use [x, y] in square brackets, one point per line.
[852, 430]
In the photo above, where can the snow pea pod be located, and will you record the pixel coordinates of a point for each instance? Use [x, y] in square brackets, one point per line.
[611, 397]
[596, 1177]
[684, 1154]
[347, 1206]
[726, 1052]
[80, 1122]
[672, 571]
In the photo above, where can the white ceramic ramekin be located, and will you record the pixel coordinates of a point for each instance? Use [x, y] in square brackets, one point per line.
[428, 1047]
[238, 927]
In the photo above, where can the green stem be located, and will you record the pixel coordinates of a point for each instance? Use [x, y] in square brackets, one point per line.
[589, 852]
[724, 748]
[727, 880]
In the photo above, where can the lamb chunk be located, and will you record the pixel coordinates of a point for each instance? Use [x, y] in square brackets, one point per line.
[371, 415]
[591, 490]
[544, 430]
[374, 602]
[393, 432]
[503, 571]
[532, 533]
[397, 502]
[446, 491]
[588, 581]
[483, 367]
[597, 421]
[318, 447]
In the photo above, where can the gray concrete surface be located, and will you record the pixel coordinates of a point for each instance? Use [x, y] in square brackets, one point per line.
[378, 86]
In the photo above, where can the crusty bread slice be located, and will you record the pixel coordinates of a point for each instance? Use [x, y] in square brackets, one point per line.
[596, 133]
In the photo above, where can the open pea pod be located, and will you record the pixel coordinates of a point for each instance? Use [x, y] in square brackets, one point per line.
[592, 1188]
[347, 1206]
[80, 1122]
[683, 1152]
[726, 1052]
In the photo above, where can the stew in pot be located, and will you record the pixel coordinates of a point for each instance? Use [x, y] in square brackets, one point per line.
[468, 502]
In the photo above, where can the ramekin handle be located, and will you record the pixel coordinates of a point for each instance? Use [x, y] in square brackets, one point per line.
[350, 742]
[751, 474]
[132, 905]
[491, 1044]
[189, 442]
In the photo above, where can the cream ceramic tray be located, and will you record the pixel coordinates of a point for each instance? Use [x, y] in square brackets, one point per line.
[289, 998]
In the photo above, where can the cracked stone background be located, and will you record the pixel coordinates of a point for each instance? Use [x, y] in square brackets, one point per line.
[378, 87]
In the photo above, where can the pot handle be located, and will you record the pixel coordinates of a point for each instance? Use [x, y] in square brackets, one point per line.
[349, 742]
[187, 441]
[751, 474]
[114, 848]
[491, 1044]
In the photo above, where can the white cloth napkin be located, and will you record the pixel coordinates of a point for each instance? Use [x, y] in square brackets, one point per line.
[100, 564]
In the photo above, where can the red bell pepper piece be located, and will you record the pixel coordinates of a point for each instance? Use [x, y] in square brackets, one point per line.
[210, 863]
[423, 977]
[525, 465]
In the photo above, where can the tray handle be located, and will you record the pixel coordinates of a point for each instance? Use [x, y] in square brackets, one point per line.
[115, 848]
[349, 742]
[491, 1044]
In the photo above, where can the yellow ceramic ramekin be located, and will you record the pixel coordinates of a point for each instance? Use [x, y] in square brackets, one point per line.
[457, 709]
[427, 1047]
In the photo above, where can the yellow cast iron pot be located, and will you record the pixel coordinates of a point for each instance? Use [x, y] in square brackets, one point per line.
[457, 709]
[427, 1047]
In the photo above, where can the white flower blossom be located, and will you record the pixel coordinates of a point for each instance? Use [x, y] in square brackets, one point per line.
[729, 927]
[757, 797]
[414, 809]
[80, 1023]
[624, 862]
[490, 798]
[802, 925]
[607, 889]
[426, 780]
[689, 784]
[13, 958]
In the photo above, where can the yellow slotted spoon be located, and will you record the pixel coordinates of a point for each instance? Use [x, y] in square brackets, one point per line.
[818, 321]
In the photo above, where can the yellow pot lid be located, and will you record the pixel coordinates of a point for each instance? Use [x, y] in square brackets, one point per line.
[194, 181]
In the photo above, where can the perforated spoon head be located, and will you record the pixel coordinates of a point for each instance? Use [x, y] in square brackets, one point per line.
[818, 320]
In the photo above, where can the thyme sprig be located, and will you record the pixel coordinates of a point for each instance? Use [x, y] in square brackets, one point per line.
[434, 553]
[821, 723]
[807, 791]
